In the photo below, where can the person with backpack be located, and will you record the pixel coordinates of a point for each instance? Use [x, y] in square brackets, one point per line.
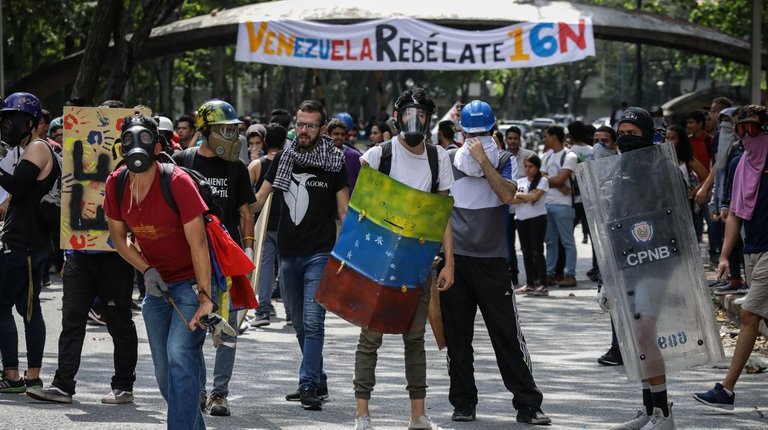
[217, 160]
[558, 166]
[410, 159]
[175, 262]
[484, 185]
[25, 241]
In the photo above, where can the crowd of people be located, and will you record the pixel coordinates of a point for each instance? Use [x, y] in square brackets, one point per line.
[308, 165]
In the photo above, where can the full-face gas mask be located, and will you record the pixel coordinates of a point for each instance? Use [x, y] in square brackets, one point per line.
[223, 140]
[138, 141]
[413, 123]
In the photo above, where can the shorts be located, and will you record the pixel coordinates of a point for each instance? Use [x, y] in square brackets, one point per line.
[756, 268]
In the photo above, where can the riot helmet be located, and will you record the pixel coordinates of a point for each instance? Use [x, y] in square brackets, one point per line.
[414, 111]
[15, 115]
[477, 117]
[217, 120]
[164, 130]
[138, 139]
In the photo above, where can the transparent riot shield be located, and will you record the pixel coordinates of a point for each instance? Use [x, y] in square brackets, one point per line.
[649, 259]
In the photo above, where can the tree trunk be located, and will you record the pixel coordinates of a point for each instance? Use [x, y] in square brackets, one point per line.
[217, 73]
[165, 72]
[96, 48]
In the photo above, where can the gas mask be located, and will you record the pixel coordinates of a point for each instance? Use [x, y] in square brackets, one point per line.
[14, 127]
[413, 124]
[224, 141]
[138, 144]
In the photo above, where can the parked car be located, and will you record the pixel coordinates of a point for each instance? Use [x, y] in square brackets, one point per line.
[603, 120]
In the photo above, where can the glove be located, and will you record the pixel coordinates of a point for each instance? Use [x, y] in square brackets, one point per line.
[154, 283]
[602, 300]
[219, 326]
[249, 253]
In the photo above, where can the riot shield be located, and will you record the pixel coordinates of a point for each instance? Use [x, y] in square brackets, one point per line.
[383, 257]
[649, 259]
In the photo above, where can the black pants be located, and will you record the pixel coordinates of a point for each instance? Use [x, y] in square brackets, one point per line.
[108, 277]
[532, 232]
[512, 257]
[485, 283]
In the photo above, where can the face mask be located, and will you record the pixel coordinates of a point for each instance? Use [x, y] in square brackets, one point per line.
[413, 123]
[138, 148]
[627, 143]
[224, 141]
[601, 150]
[14, 127]
[755, 143]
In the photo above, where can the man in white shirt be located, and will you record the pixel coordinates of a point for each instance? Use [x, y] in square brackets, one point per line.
[558, 166]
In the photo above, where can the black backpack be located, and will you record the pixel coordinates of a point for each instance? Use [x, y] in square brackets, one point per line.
[166, 173]
[385, 163]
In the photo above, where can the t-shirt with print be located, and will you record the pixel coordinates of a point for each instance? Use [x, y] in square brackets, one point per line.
[413, 169]
[229, 197]
[551, 166]
[524, 211]
[307, 210]
[583, 153]
[157, 229]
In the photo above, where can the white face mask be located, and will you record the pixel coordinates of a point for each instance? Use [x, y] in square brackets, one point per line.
[464, 161]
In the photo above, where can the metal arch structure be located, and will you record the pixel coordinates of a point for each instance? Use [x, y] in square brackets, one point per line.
[221, 27]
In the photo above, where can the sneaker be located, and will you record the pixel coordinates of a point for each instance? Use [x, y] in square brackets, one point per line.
[641, 419]
[295, 396]
[611, 358]
[117, 397]
[532, 415]
[243, 327]
[717, 398]
[37, 382]
[541, 291]
[525, 289]
[730, 288]
[463, 414]
[659, 422]
[50, 394]
[203, 402]
[568, 281]
[96, 316]
[272, 311]
[309, 399]
[740, 301]
[261, 320]
[218, 405]
[363, 423]
[10, 386]
[422, 423]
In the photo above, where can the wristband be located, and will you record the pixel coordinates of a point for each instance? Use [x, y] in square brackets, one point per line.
[249, 237]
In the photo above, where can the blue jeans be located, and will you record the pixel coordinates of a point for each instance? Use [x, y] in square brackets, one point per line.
[301, 276]
[16, 264]
[560, 230]
[267, 273]
[177, 354]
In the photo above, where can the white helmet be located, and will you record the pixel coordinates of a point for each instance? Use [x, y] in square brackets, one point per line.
[164, 124]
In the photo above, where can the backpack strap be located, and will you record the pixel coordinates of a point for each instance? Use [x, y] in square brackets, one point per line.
[385, 162]
[121, 178]
[166, 174]
[188, 157]
[433, 167]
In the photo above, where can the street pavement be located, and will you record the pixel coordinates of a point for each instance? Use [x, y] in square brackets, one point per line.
[566, 332]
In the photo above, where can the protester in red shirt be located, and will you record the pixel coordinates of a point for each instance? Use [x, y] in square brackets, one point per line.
[700, 140]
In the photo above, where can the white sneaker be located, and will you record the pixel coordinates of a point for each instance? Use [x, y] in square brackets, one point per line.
[422, 423]
[659, 421]
[637, 423]
[740, 300]
[118, 397]
[363, 423]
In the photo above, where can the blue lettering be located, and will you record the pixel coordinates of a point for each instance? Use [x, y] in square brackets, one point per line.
[327, 53]
[312, 44]
[543, 46]
[297, 47]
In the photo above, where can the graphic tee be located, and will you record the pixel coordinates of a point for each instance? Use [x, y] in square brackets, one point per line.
[307, 210]
[228, 196]
[157, 229]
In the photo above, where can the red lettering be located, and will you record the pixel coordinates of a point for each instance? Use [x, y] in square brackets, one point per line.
[335, 51]
[366, 52]
[349, 56]
[119, 124]
[566, 32]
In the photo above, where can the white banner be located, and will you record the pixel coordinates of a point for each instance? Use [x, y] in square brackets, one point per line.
[402, 44]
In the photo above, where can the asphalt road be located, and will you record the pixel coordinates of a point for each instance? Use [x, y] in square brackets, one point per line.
[566, 332]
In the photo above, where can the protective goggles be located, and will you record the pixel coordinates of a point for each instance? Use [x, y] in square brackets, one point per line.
[751, 127]
[227, 131]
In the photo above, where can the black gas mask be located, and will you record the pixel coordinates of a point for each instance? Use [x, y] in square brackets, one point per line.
[15, 127]
[413, 123]
[138, 141]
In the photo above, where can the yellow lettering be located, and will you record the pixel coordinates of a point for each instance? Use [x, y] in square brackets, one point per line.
[254, 37]
[268, 43]
[284, 44]
[519, 55]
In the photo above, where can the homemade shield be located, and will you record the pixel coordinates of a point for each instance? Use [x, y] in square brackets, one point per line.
[649, 260]
[384, 253]
[259, 235]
